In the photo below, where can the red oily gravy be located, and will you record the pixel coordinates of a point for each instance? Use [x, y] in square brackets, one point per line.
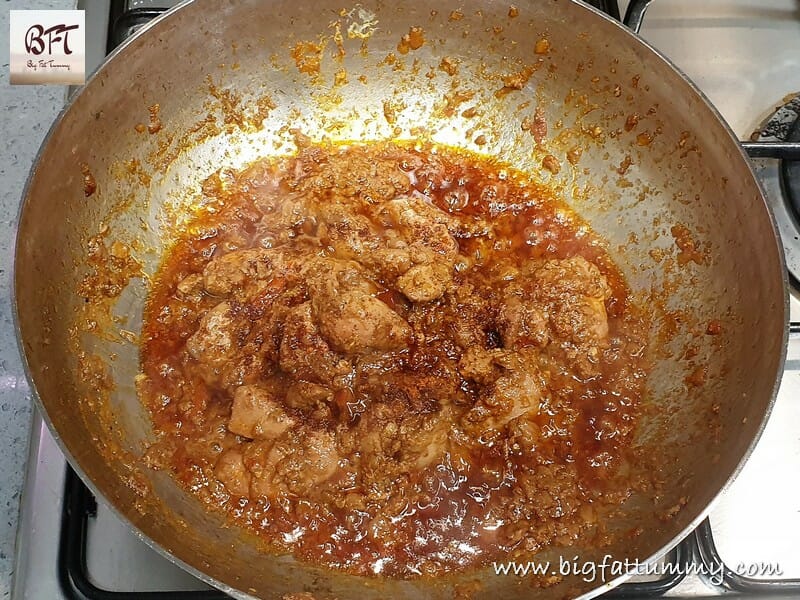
[394, 360]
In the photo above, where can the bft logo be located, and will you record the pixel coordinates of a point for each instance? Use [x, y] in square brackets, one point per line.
[37, 35]
[48, 46]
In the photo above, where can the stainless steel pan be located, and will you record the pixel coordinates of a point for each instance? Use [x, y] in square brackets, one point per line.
[602, 90]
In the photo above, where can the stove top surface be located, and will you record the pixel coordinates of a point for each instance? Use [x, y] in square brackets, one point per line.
[743, 54]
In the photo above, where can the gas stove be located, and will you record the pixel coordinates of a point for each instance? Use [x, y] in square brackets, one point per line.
[743, 55]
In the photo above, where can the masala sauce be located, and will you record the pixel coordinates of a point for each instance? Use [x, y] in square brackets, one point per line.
[412, 360]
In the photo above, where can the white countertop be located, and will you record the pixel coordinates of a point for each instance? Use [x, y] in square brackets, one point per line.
[26, 113]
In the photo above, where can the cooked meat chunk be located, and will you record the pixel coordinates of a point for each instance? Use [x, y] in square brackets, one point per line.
[230, 349]
[474, 314]
[190, 285]
[318, 461]
[561, 298]
[377, 435]
[392, 261]
[307, 396]
[257, 414]
[350, 317]
[424, 283]
[328, 277]
[350, 235]
[230, 470]
[392, 438]
[303, 351]
[429, 442]
[261, 459]
[429, 247]
[368, 178]
[576, 292]
[296, 464]
[356, 322]
[285, 221]
[214, 342]
[514, 394]
[405, 239]
[233, 270]
[521, 322]
[422, 224]
[312, 399]
[518, 391]
[481, 365]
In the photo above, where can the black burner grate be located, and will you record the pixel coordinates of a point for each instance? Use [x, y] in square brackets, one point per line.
[731, 580]
[79, 504]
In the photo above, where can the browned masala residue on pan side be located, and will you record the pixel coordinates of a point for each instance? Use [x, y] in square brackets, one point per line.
[413, 40]
[307, 57]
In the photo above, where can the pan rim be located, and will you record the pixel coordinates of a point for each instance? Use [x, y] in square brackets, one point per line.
[633, 39]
